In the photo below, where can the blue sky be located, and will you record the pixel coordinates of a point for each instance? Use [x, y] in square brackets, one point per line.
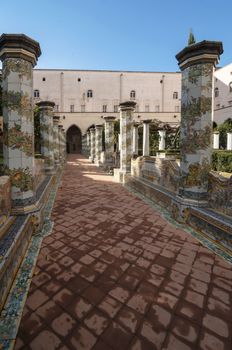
[117, 34]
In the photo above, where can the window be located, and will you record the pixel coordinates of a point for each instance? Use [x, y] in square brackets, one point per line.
[230, 86]
[115, 108]
[104, 108]
[71, 108]
[82, 108]
[177, 109]
[132, 94]
[146, 108]
[90, 93]
[157, 108]
[44, 79]
[216, 92]
[36, 93]
[79, 79]
[175, 95]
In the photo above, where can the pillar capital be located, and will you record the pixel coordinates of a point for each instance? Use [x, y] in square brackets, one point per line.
[216, 132]
[60, 127]
[45, 104]
[146, 121]
[56, 119]
[109, 119]
[19, 46]
[127, 105]
[202, 52]
[98, 126]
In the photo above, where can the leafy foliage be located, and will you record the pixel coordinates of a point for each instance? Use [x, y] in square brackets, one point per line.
[223, 129]
[222, 161]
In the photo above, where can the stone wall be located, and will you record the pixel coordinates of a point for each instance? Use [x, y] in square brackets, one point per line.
[159, 171]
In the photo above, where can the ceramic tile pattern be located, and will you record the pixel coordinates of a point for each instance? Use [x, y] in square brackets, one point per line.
[116, 274]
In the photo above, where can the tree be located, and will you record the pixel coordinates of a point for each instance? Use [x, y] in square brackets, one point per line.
[191, 38]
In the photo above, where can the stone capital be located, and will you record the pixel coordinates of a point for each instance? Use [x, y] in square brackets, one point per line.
[127, 105]
[19, 46]
[202, 52]
[146, 121]
[98, 126]
[109, 119]
[45, 104]
[56, 119]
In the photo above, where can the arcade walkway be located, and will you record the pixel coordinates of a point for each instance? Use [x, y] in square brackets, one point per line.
[115, 275]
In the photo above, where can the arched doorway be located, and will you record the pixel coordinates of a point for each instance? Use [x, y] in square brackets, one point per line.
[73, 139]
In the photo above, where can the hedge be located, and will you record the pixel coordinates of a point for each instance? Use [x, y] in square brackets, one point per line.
[222, 161]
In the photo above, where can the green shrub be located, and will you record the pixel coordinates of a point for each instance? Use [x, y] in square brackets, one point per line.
[222, 161]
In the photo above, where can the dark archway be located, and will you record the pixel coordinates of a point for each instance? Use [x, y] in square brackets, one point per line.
[74, 139]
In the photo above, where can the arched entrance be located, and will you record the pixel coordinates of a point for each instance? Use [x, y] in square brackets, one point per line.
[73, 139]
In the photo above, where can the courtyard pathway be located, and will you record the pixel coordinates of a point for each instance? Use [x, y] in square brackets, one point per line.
[115, 275]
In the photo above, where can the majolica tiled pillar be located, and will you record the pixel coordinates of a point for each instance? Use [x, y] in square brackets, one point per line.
[197, 64]
[19, 55]
[60, 141]
[56, 119]
[162, 136]
[216, 140]
[92, 144]
[146, 138]
[109, 140]
[126, 133]
[46, 134]
[98, 143]
[229, 141]
[135, 139]
[63, 144]
[88, 142]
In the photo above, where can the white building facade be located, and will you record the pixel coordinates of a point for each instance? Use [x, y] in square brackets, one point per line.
[223, 94]
[84, 97]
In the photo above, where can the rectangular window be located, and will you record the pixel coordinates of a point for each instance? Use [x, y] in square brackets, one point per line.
[115, 108]
[146, 108]
[177, 109]
[56, 108]
[157, 108]
[71, 108]
[104, 108]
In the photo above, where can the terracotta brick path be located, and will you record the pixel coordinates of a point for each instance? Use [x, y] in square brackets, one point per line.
[115, 275]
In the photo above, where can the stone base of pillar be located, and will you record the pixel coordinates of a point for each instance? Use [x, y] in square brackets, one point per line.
[181, 207]
[119, 175]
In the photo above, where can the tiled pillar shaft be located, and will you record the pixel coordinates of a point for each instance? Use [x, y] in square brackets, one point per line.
[162, 136]
[197, 63]
[216, 140]
[229, 141]
[135, 139]
[88, 142]
[46, 134]
[146, 138]
[56, 140]
[92, 144]
[98, 143]
[126, 133]
[64, 144]
[18, 54]
[60, 127]
[109, 140]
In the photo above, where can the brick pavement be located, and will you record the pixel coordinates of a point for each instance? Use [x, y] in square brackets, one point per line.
[115, 275]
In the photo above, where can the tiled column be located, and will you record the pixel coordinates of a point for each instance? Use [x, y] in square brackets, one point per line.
[60, 127]
[98, 143]
[197, 63]
[46, 134]
[64, 144]
[92, 144]
[135, 138]
[109, 140]
[56, 119]
[126, 134]
[88, 142]
[216, 140]
[19, 55]
[162, 136]
[229, 141]
[146, 138]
